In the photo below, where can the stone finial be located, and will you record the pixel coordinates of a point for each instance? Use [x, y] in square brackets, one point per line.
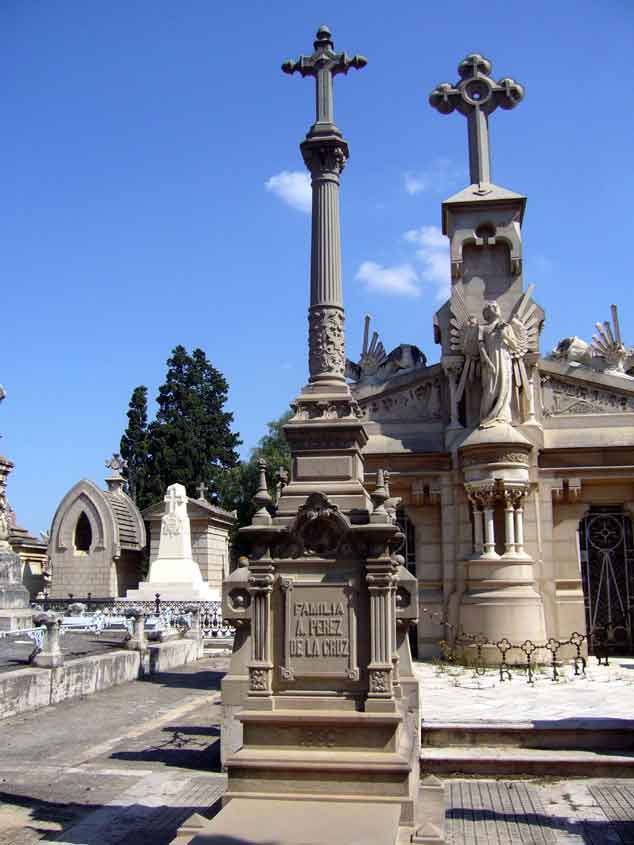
[323, 65]
[262, 499]
[379, 496]
[476, 96]
[202, 490]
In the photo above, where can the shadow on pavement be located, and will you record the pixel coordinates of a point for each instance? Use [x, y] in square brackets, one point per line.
[202, 680]
[135, 824]
[186, 747]
[588, 832]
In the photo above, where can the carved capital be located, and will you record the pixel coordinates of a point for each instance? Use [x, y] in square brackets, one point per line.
[324, 159]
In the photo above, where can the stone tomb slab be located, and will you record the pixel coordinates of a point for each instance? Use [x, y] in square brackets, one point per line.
[278, 822]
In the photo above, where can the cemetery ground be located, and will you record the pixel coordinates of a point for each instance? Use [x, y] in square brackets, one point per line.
[132, 763]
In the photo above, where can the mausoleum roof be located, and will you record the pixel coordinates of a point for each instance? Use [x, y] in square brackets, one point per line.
[128, 519]
[196, 509]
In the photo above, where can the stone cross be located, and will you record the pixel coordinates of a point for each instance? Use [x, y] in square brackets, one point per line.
[476, 96]
[202, 489]
[323, 65]
[175, 498]
[116, 463]
[325, 153]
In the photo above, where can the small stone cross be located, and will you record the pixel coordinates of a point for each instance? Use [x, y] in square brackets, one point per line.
[323, 65]
[202, 489]
[476, 96]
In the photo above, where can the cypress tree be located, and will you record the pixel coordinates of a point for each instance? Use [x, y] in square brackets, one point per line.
[190, 441]
[134, 445]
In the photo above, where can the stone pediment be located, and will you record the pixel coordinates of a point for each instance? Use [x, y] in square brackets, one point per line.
[196, 509]
[575, 390]
[415, 395]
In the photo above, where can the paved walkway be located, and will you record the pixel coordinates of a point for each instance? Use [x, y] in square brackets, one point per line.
[127, 766]
[457, 694]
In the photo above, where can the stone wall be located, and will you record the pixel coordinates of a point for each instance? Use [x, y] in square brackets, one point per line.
[29, 689]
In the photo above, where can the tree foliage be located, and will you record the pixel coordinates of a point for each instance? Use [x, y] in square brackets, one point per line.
[134, 443]
[240, 484]
[190, 441]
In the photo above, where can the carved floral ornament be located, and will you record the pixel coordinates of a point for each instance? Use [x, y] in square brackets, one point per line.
[320, 409]
[324, 159]
[484, 494]
[494, 457]
[326, 341]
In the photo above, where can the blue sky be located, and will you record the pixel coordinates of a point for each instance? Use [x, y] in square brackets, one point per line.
[152, 193]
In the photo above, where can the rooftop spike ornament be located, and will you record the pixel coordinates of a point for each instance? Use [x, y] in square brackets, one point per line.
[476, 96]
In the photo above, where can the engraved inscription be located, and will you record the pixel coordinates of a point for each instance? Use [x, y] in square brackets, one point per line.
[320, 630]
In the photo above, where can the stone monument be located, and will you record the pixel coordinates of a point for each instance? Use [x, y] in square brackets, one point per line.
[489, 333]
[326, 737]
[174, 574]
[14, 597]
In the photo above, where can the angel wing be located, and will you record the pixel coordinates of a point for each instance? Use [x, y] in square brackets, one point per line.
[524, 325]
[464, 335]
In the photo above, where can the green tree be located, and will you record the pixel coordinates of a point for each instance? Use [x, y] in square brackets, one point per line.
[239, 485]
[190, 441]
[134, 445]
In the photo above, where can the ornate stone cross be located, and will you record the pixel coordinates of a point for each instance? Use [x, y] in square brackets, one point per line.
[202, 489]
[323, 65]
[325, 153]
[476, 96]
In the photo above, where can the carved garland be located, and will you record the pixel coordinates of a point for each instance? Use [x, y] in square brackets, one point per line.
[326, 341]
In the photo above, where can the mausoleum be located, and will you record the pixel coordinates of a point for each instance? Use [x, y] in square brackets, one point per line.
[97, 540]
[515, 468]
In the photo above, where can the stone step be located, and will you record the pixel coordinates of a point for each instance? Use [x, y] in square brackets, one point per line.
[485, 761]
[306, 732]
[329, 759]
[295, 822]
[574, 734]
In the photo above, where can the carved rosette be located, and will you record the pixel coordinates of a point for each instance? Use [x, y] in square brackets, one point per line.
[326, 342]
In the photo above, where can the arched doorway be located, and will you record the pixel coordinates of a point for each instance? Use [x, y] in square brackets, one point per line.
[607, 572]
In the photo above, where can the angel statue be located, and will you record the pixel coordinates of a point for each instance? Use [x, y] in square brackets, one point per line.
[495, 351]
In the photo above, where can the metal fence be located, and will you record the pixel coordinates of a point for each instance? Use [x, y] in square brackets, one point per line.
[211, 622]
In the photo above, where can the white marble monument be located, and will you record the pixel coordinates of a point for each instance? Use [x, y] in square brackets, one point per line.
[174, 574]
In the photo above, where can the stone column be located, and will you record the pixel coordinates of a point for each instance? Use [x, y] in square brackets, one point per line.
[509, 524]
[489, 529]
[452, 365]
[260, 668]
[51, 654]
[325, 158]
[519, 528]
